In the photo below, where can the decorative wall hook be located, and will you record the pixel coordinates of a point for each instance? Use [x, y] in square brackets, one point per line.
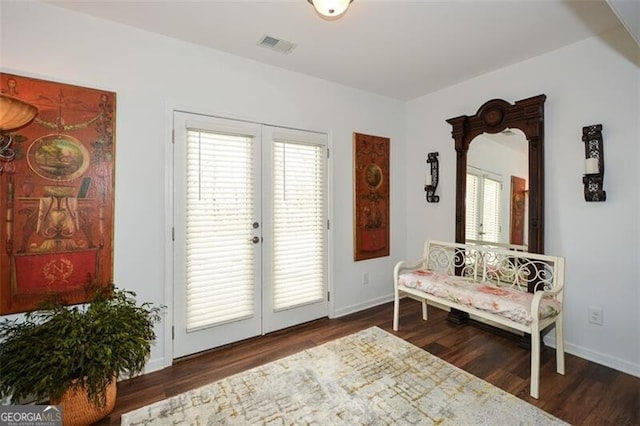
[431, 178]
[594, 163]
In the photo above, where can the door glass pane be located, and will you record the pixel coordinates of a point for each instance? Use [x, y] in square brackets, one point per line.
[219, 210]
[299, 225]
[491, 209]
[471, 228]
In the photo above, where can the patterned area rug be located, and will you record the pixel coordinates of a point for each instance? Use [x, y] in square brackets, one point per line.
[368, 378]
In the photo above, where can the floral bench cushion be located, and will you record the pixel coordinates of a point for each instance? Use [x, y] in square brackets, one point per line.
[506, 302]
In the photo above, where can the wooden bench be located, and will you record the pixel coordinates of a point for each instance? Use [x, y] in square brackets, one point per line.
[515, 289]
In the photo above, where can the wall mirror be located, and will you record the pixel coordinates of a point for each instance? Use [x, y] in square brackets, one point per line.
[508, 143]
[497, 189]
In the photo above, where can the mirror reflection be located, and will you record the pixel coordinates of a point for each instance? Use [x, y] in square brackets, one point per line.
[497, 189]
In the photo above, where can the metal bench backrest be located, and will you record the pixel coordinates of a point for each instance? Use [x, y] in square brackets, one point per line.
[506, 268]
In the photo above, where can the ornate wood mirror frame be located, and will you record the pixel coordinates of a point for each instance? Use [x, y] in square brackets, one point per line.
[495, 116]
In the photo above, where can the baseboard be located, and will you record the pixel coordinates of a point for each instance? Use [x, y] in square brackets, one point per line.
[154, 365]
[597, 357]
[362, 306]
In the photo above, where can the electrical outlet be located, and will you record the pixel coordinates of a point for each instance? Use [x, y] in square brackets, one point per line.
[595, 315]
[365, 278]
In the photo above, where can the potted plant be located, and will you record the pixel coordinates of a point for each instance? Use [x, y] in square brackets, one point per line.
[62, 353]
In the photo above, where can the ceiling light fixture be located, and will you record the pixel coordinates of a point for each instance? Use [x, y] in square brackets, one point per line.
[330, 8]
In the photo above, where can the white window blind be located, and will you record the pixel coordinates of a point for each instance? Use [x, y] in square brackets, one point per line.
[472, 225]
[299, 224]
[491, 208]
[220, 281]
[483, 207]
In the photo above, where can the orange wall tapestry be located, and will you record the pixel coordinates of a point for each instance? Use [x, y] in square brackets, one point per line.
[56, 197]
[371, 196]
[518, 207]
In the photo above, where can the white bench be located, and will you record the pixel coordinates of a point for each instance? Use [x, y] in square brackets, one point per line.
[518, 290]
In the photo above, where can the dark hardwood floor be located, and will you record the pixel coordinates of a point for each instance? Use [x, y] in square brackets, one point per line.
[589, 394]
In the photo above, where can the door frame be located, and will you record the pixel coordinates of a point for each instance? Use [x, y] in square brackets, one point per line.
[168, 320]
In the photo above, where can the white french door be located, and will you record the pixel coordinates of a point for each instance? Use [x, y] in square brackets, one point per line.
[483, 207]
[250, 230]
[295, 249]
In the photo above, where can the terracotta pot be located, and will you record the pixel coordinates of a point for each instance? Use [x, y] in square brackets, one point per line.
[78, 410]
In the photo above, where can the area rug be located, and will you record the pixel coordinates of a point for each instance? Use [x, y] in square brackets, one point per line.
[368, 378]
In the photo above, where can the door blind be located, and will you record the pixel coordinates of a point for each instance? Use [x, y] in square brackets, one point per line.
[491, 209]
[483, 208]
[299, 224]
[472, 228]
[220, 277]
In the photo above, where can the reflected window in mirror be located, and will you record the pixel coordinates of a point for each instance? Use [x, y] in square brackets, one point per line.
[484, 206]
[495, 208]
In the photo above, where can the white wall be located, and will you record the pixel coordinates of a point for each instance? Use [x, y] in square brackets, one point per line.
[586, 83]
[151, 74]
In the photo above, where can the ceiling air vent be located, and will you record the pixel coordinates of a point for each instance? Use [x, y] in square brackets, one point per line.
[276, 44]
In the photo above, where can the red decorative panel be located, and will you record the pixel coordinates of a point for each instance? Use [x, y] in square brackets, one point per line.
[56, 197]
[371, 196]
[518, 206]
[67, 271]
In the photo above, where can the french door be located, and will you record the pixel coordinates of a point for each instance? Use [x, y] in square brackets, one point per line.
[483, 207]
[250, 230]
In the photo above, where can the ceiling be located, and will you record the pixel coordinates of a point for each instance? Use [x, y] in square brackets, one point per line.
[398, 49]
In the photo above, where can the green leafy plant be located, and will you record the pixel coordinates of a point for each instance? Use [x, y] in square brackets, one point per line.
[60, 347]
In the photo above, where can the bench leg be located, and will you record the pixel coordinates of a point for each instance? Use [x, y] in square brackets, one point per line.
[535, 364]
[396, 311]
[559, 345]
[424, 309]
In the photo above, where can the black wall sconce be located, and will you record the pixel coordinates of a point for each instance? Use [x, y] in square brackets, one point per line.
[431, 178]
[594, 163]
